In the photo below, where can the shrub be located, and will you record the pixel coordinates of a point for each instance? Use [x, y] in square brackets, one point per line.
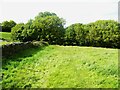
[17, 31]
[46, 26]
[7, 25]
[102, 33]
[75, 34]
[51, 29]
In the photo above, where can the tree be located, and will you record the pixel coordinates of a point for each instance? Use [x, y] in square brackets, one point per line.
[44, 14]
[7, 25]
[104, 33]
[46, 26]
[17, 32]
[76, 34]
[51, 28]
[12, 23]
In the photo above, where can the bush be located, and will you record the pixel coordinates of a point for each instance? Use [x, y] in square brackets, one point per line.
[17, 31]
[7, 25]
[75, 34]
[102, 33]
[50, 28]
[46, 26]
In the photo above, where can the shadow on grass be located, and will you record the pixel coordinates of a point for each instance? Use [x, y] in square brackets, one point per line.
[22, 54]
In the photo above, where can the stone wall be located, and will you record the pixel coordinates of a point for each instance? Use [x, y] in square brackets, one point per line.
[10, 49]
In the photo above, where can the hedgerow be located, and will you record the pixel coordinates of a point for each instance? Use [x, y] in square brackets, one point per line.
[102, 33]
[50, 28]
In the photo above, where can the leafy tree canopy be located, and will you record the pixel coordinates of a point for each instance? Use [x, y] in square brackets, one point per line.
[7, 25]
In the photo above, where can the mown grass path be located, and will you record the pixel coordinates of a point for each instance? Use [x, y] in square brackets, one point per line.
[62, 67]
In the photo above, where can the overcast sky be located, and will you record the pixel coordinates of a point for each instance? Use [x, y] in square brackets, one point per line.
[73, 11]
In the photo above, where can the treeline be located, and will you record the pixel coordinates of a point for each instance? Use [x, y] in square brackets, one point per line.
[102, 33]
[49, 27]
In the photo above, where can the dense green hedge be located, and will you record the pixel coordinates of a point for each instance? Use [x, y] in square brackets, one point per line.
[102, 33]
[50, 28]
[76, 34]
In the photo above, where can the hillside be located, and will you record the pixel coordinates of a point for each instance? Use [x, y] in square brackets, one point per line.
[62, 67]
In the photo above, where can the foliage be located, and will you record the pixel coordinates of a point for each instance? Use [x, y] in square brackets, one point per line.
[76, 34]
[17, 31]
[46, 26]
[62, 67]
[51, 29]
[102, 33]
[45, 14]
[7, 25]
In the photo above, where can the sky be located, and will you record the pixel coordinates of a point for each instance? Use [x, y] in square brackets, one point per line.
[73, 11]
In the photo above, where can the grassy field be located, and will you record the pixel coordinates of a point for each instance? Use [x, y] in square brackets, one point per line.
[62, 67]
[5, 35]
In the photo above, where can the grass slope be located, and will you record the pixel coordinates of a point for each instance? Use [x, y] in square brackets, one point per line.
[6, 36]
[62, 67]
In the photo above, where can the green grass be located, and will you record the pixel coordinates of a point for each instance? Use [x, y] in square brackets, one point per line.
[7, 38]
[5, 35]
[62, 67]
